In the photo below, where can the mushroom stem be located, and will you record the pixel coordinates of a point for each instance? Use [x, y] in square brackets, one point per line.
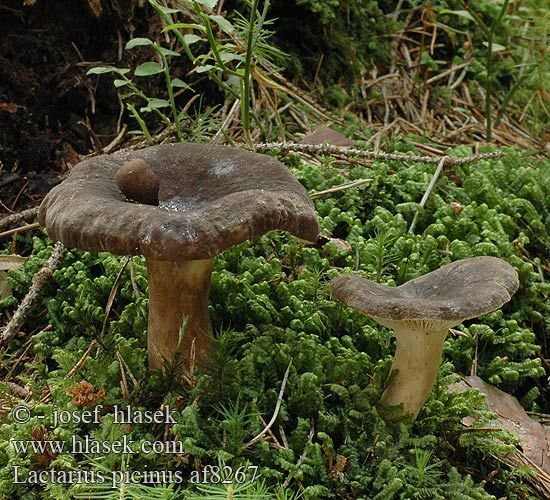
[414, 368]
[178, 293]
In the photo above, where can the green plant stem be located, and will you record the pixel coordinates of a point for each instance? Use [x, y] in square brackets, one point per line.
[490, 70]
[141, 122]
[508, 97]
[489, 88]
[212, 41]
[489, 32]
[135, 112]
[178, 34]
[171, 98]
[246, 84]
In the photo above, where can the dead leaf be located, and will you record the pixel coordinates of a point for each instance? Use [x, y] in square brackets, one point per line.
[10, 107]
[11, 261]
[323, 239]
[534, 437]
[8, 262]
[325, 135]
[85, 394]
[95, 7]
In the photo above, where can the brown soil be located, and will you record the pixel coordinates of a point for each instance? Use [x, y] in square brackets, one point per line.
[50, 111]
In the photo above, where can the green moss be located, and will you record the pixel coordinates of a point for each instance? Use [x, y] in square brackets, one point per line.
[271, 309]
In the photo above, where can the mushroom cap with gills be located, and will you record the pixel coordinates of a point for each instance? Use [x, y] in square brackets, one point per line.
[455, 292]
[210, 198]
[420, 312]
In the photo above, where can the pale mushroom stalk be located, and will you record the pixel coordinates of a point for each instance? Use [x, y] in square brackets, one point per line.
[415, 365]
[421, 311]
[178, 296]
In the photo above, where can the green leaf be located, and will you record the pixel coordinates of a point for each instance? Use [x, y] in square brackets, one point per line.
[120, 83]
[158, 103]
[205, 68]
[148, 69]
[177, 83]
[461, 13]
[168, 52]
[230, 56]
[138, 42]
[210, 4]
[162, 8]
[223, 23]
[496, 47]
[190, 26]
[101, 70]
[190, 39]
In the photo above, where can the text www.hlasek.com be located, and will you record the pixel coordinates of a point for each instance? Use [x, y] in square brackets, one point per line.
[89, 445]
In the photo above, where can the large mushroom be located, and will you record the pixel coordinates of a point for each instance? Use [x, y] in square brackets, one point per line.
[209, 198]
[421, 311]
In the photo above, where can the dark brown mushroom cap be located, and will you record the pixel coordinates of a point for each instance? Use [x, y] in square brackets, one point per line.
[455, 292]
[211, 197]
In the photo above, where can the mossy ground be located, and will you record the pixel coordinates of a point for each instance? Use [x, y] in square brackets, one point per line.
[272, 311]
[414, 80]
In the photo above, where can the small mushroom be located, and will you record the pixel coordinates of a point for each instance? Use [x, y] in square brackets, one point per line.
[138, 182]
[421, 312]
[209, 198]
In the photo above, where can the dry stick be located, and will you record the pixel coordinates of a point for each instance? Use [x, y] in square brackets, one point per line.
[329, 149]
[116, 141]
[13, 219]
[447, 72]
[123, 361]
[276, 443]
[341, 187]
[428, 192]
[233, 112]
[22, 229]
[302, 457]
[14, 366]
[540, 481]
[124, 381]
[38, 282]
[275, 412]
[82, 360]
[112, 295]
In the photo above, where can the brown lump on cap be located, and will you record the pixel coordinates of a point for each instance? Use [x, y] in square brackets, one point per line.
[138, 182]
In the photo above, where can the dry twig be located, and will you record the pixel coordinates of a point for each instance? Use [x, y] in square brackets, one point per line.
[21, 229]
[82, 359]
[275, 412]
[38, 282]
[341, 187]
[17, 218]
[328, 149]
[428, 192]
